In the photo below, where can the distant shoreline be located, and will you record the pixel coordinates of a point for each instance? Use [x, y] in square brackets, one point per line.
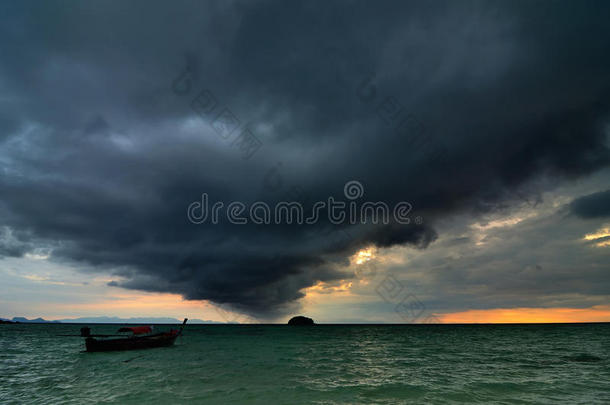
[9, 322]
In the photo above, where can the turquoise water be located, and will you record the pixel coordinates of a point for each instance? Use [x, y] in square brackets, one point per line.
[324, 364]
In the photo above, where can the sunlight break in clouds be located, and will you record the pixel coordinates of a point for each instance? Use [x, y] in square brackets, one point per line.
[602, 236]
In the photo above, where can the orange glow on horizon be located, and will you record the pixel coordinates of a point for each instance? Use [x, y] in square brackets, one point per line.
[598, 313]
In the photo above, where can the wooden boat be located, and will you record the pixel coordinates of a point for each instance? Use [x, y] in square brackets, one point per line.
[140, 339]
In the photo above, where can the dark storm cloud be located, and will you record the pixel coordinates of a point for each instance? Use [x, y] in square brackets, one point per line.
[596, 205]
[541, 261]
[100, 158]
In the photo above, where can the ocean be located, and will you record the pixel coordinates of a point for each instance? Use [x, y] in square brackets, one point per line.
[323, 364]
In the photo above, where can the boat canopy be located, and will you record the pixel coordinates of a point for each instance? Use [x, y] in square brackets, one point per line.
[137, 330]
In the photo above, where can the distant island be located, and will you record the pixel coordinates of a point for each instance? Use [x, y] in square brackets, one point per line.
[300, 320]
[20, 319]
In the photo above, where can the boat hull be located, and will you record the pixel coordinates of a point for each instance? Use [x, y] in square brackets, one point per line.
[130, 343]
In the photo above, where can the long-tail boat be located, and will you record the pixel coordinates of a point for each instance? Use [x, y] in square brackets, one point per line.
[141, 338]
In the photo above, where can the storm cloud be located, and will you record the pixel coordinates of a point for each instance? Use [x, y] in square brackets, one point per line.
[596, 205]
[457, 108]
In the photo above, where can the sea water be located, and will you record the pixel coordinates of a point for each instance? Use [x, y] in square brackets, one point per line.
[323, 364]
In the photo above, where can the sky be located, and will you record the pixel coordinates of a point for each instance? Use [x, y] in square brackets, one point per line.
[483, 126]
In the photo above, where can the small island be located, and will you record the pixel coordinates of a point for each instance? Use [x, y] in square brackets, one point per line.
[300, 320]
